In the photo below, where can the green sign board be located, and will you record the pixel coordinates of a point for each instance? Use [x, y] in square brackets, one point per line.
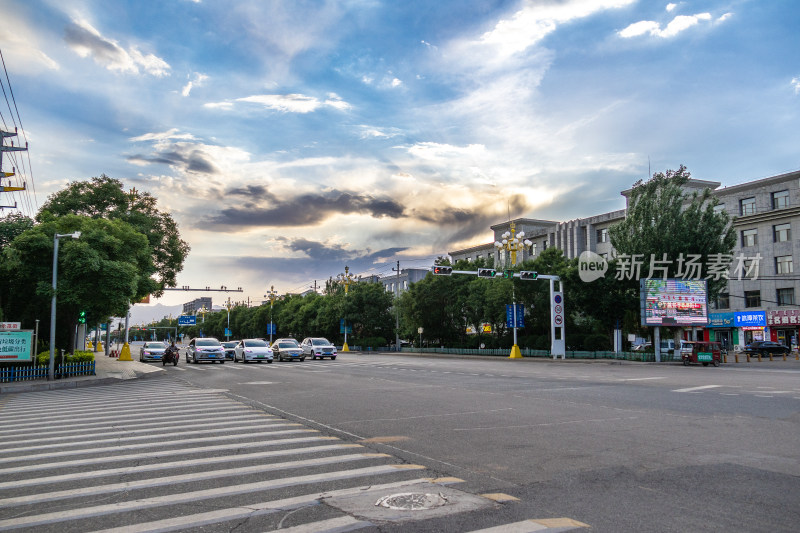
[705, 356]
[15, 345]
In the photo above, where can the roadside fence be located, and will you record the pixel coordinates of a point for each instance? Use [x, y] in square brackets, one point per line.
[31, 373]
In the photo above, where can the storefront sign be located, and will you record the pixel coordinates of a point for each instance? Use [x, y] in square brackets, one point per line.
[750, 319]
[720, 320]
[784, 317]
[11, 326]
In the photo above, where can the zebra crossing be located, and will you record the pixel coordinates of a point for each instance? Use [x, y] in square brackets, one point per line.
[160, 455]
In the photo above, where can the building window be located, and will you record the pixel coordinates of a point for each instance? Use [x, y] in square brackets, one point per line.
[747, 206]
[544, 245]
[752, 298]
[602, 235]
[405, 285]
[533, 248]
[780, 199]
[783, 264]
[749, 237]
[723, 301]
[786, 296]
[782, 232]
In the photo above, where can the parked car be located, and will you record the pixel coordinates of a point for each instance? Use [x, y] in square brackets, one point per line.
[205, 349]
[765, 348]
[252, 350]
[287, 349]
[230, 349]
[152, 351]
[318, 347]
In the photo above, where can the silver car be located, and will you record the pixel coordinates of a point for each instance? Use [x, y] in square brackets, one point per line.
[152, 351]
[205, 349]
[287, 349]
[318, 347]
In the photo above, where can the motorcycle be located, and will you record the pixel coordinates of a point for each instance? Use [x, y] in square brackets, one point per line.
[171, 355]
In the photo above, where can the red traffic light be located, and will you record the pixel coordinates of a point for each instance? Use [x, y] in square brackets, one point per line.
[442, 270]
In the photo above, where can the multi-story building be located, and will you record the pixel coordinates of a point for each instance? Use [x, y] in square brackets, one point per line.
[397, 284]
[766, 218]
[191, 308]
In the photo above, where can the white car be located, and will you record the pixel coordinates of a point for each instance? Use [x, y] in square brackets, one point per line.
[318, 347]
[252, 350]
[205, 349]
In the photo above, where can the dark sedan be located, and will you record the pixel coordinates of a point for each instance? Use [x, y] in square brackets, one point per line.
[765, 348]
[287, 349]
[230, 349]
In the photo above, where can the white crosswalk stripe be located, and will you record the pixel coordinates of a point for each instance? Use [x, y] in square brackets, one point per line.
[104, 459]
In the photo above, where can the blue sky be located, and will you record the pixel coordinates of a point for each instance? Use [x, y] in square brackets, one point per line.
[292, 138]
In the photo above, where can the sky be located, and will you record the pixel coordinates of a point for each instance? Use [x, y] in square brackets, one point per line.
[290, 139]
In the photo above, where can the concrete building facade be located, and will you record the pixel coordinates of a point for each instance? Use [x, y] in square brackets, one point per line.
[766, 218]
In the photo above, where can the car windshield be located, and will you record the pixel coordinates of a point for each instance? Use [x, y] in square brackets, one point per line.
[157, 345]
[230, 344]
[287, 345]
[255, 343]
[207, 342]
[320, 342]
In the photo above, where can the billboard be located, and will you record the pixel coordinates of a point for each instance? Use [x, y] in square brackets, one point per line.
[674, 302]
[16, 345]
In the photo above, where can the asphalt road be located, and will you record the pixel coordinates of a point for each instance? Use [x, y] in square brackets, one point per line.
[621, 447]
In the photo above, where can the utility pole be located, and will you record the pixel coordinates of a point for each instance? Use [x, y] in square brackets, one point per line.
[397, 310]
[3, 149]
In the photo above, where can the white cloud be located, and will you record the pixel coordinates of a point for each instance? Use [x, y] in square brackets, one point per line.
[436, 152]
[163, 136]
[671, 7]
[724, 17]
[535, 21]
[675, 26]
[796, 85]
[21, 47]
[287, 103]
[86, 41]
[197, 80]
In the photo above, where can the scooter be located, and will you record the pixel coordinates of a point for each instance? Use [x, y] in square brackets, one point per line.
[170, 356]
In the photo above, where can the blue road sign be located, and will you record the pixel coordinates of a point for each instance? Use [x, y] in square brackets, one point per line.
[272, 329]
[515, 316]
[187, 320]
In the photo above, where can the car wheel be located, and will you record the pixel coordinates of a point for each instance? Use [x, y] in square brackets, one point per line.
[313, 357]
[685, 362]
[269, 362]
[302, 358]
[194, 359]
[333, 359]
[163, 363]
[716, 362]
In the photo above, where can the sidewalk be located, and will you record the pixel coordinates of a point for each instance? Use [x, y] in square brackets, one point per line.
[107, 370]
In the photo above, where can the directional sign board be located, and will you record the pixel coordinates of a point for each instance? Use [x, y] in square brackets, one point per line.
[187, 320]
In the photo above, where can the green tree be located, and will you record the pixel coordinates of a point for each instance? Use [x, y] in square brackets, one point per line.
[11, 226]
[104, 197]
[100, 273]
[664, 220]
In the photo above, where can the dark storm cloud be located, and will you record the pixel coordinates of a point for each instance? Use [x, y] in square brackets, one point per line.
[186, 158]
[306, 209]
[319, 251]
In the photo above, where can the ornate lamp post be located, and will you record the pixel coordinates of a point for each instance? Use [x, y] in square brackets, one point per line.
[272, 295]
[346, 279]
[512, 244]
[202, 311]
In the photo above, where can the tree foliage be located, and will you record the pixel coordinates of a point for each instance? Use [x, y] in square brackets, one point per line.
[664, 221]
[104, 197]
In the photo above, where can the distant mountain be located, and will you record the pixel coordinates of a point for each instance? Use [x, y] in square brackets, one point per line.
[145, 314]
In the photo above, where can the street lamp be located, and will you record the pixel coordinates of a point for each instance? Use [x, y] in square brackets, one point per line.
[51, 366]
[346, 279]
[228, 306]
[272, 295]
[512, 244]
[202, 311]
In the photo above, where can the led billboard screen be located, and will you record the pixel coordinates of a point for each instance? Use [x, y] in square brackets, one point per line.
[674, 302]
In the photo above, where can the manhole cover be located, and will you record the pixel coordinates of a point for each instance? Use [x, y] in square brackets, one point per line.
[412, 501]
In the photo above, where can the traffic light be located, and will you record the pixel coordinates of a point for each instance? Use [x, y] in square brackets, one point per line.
[528, 274]
[508, 274]
[82, 317]
[442, 270]
[486, 272]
